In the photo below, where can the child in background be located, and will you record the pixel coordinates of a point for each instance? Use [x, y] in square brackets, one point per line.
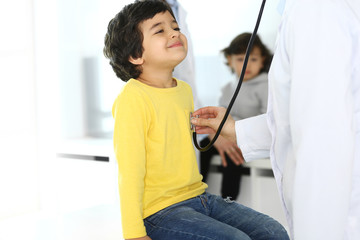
[161, 192]
[251, 101]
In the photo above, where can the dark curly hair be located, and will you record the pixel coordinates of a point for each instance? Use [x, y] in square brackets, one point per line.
[124, 38]
[239, 44]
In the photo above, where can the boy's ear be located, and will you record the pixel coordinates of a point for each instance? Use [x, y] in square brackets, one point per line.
[136, 61]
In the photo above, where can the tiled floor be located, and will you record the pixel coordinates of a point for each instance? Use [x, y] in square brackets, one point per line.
[97, 223]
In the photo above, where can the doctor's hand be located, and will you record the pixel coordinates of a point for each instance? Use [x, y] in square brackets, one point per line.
[210, 119]
[223, 146]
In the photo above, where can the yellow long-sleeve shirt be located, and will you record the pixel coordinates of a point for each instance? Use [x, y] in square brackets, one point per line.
[154, 151]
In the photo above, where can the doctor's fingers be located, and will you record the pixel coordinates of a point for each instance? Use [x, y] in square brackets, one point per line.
[211, 122]
[210, 112]
[205, 115]
[204, 130]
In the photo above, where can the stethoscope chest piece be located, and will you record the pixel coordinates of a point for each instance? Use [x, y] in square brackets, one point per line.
[192, 126]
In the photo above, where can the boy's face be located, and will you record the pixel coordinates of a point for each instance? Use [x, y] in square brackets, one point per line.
[164, 45]
[255, 63]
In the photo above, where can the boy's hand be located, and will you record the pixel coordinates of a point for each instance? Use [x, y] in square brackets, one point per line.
[210, 119]
[223, 146]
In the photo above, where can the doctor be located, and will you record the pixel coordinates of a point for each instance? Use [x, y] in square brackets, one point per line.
[311, 131]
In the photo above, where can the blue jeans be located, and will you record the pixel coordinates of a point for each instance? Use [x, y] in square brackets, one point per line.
[210, 217]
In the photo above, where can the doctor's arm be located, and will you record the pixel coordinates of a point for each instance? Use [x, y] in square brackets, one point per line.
[208, 119]
[251, 135]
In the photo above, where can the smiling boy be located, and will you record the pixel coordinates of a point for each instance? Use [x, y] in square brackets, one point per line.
[162, 195]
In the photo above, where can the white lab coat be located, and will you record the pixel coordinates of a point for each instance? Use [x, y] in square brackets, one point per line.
[311, 130]
[186, 69]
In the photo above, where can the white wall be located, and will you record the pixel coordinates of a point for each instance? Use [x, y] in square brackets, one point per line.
[18, 143]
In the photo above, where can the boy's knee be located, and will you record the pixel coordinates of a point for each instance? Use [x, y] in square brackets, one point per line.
[281, 234]
[269, 229]
[276, 231]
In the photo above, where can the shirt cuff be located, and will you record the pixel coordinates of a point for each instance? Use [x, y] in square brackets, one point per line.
[241, 138]
[253, 137]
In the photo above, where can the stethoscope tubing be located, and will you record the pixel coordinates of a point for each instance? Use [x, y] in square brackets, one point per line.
[247, 54]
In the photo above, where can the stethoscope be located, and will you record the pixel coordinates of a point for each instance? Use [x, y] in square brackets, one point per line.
[248, 50]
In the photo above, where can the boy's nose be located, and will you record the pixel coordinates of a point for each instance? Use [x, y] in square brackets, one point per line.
[175, 33]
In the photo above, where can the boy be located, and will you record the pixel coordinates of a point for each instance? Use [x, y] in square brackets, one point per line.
[161, 192]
